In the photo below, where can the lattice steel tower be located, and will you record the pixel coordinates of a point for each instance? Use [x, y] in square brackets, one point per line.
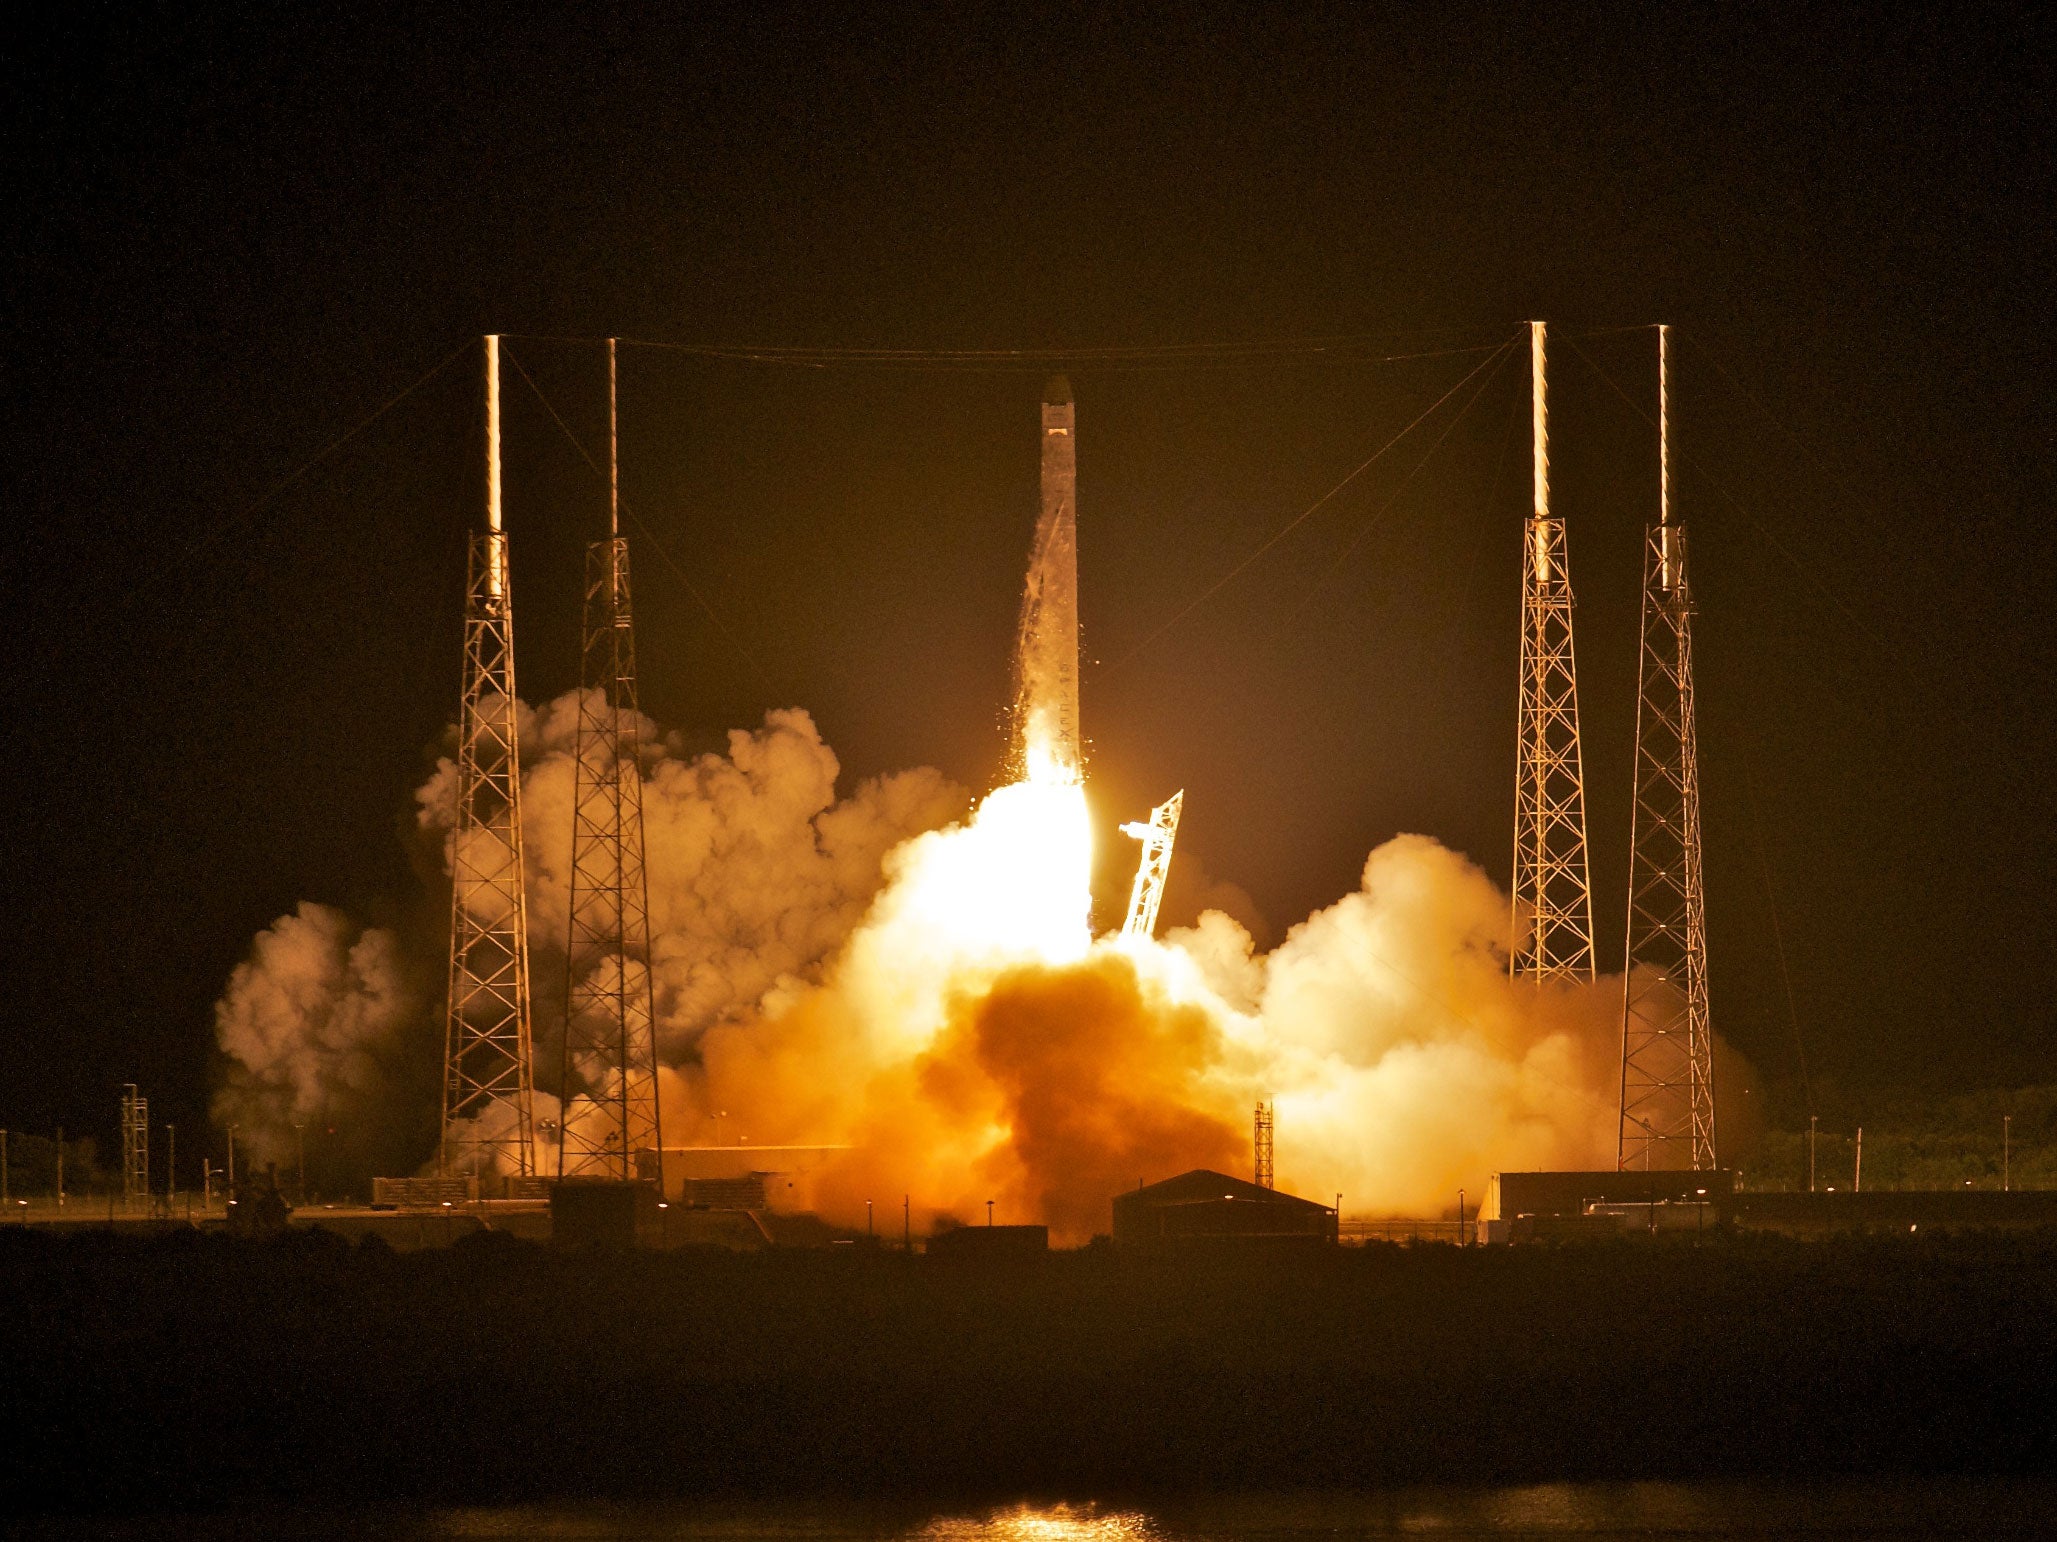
[1550, 878]
[1667, 1060]
[488, 1078]
[1154, 866]
[135, 1146]
[1266, 1125]
[610, 1048]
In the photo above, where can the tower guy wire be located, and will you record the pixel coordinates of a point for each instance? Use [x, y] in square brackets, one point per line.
[610, 1120]
[651, 540]
[1551, 882]
[488, 1070]
[1302, 517]
[1667, 1061]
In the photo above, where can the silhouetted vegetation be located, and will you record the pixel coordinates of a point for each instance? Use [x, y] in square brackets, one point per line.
[197, 1369]
[1911, 1140]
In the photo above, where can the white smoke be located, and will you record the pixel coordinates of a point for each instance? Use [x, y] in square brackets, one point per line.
[758, 873]
[1049, 1071]
[320, 1027]
[824, 976]
[1403, 1060]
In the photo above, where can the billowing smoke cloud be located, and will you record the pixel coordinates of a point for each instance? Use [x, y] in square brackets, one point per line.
[1403, 1062]
[864, 972]
[758, 873]
[320, 1027]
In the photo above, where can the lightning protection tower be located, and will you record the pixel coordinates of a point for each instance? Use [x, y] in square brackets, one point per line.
[1667, 1062]
[1550, 878]
[1154, 866]
[610, 1050]
[1266, 1123]
[135, 1147]
[488, 1077]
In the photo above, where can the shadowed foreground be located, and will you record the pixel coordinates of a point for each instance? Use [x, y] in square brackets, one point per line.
[193, 1370]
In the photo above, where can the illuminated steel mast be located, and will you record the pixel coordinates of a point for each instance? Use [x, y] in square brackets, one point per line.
[1266, 1125]
[1667, 1061]
[1155, 864]
[1550, 879]
[610, 1048]
[488, 1078]
[135, 1146]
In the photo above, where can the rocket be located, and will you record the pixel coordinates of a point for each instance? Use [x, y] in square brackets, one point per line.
[1047, 743]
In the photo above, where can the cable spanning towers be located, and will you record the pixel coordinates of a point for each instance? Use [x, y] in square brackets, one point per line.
[488, 1077]
[610, 1049]
[1667, 1062]
[1550, 878]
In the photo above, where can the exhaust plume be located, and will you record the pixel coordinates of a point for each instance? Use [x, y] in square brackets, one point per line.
[890, 974]
[1047, 745]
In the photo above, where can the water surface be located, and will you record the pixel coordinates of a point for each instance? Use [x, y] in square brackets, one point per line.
[1821, 1510]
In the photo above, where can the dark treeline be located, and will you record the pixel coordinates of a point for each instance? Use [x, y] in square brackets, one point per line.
[1912, 1140]
[191, 1370]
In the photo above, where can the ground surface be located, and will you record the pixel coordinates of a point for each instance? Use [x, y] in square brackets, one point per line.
[191, 1369]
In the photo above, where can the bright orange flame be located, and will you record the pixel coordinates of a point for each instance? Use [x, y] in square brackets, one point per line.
[974, 1042]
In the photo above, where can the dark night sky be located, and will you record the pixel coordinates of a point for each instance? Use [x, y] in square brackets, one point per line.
[231, 238]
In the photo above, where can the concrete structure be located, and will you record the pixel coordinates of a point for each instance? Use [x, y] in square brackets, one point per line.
[1568, 1206]
[424, 1193]
[737, 1177]
[1557, 1195]
[990, 1244]
[603, 1212]
[1205, 1209]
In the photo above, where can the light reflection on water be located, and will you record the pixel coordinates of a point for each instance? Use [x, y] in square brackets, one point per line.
[1846, 1511]
[1042, 1523]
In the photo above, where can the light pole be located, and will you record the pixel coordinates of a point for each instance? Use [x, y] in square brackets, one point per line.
[989, 1214]
[300, 1140]
[907, 1222]
[1460, 1217]
[60, 1167]
[3, 1167]
[1812, 1121]
[232, 1160]
[171, 1165]
[867, 1221]
[2006, 1151]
